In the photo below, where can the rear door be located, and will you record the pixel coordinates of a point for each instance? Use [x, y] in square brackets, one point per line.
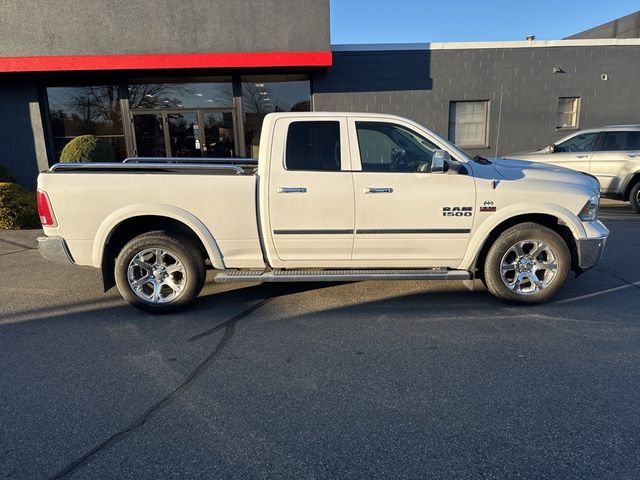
[405, 215]
[614, 153]
[311, 204]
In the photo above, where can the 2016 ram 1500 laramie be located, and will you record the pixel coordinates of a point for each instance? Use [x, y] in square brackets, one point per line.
[333, 196]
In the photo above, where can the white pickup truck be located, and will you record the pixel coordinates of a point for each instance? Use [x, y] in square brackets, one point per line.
[332, 197]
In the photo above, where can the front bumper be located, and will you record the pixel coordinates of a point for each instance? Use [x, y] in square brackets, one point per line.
[54, 249]
[590, 251]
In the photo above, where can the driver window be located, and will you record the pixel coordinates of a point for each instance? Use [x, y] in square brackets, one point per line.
[580, 143]
[385, 147]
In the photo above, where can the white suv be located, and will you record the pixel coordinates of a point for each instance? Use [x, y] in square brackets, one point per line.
[612, 154]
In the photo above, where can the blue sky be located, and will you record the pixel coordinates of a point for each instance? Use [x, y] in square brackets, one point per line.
[419, 21]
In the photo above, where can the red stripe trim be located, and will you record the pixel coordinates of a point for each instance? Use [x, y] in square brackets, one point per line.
[164, 61]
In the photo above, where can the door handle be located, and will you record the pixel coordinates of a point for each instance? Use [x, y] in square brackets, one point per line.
[377, 190]
[633, 155]
[582, 156]
[291, 189]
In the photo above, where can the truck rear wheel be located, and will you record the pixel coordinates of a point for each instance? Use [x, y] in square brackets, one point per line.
[634, 197]
[159, 272]
[528, 263]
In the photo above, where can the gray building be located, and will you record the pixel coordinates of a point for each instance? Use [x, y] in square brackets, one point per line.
[180, 84]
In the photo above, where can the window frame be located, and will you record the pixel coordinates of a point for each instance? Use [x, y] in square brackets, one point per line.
[596, 142]
[354, 148]
[485, 143]
[399, 126]
[603, 136]
[576, 114]
[344, 155]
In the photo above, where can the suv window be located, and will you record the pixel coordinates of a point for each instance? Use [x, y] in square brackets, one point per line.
[580, 143]
[387, 147]
[313, 146]
[616, 141]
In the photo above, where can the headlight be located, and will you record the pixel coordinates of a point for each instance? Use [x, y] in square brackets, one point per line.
[589, 212]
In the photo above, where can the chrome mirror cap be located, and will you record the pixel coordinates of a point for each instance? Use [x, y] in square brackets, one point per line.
[440, 157]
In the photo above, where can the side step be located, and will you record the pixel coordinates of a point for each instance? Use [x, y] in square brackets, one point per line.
[260, 276]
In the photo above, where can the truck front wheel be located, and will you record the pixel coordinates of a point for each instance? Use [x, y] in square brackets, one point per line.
[528, 263]
[159, 272]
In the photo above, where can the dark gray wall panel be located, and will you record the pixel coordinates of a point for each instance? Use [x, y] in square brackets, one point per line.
[76, 27]
[21, 134]
[624, 27]
[421, 84]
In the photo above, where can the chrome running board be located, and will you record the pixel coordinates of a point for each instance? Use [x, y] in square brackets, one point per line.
[310, 275]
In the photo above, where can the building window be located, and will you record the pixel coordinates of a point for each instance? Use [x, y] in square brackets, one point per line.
[567, 116]
[468, 123]
[215, 93]
[93, 110]
[271, 93]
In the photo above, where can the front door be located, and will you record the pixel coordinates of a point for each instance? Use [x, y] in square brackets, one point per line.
[405, 215]
[574, 153]
[310, 193]
[184, 133]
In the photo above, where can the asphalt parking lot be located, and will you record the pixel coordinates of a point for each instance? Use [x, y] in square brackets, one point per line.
[351, 380]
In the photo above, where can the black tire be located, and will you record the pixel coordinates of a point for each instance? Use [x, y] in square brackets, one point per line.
[538, 284]
[174, 290]
[634, 197]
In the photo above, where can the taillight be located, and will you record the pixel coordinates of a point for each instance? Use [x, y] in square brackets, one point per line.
[44, 209]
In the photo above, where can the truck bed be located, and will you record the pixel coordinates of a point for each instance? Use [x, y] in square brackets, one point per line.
[91, 199]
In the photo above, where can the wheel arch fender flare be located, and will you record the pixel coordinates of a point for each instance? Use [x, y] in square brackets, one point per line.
[111, 222]
[520, 211]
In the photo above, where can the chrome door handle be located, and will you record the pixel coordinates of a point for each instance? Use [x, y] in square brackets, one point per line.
[291, 189]
[377, 190]
[633, 155]
[582, 156]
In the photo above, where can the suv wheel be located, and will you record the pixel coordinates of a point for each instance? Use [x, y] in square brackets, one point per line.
[634, 197]
[528, 263]
[159, 272]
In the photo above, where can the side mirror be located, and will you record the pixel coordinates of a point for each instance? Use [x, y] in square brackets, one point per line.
[440, 157]
[551, 148]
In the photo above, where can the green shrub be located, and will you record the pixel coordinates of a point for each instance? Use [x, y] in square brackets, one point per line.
[5, 175]
[17, 207]
[88, 148]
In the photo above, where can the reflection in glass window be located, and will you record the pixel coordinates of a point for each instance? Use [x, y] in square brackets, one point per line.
[212, 94]
[313, 146]
[620, 141]
[580, 143]
[93, 110]
[271, 93]
[385, 147]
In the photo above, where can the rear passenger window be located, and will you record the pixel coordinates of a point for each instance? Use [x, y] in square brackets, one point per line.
[313, 146]
[616, 141]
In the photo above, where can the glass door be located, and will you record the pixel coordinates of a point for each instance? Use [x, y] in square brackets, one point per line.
[149, 135]
[185, 133]
[218, 134]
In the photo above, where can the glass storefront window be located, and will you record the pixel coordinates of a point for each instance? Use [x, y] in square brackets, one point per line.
[271, 93]
[215, 93]
[93, 110]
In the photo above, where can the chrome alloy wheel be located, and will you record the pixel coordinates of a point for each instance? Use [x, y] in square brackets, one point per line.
[638, 198]
[156, 275]
[528, 267]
